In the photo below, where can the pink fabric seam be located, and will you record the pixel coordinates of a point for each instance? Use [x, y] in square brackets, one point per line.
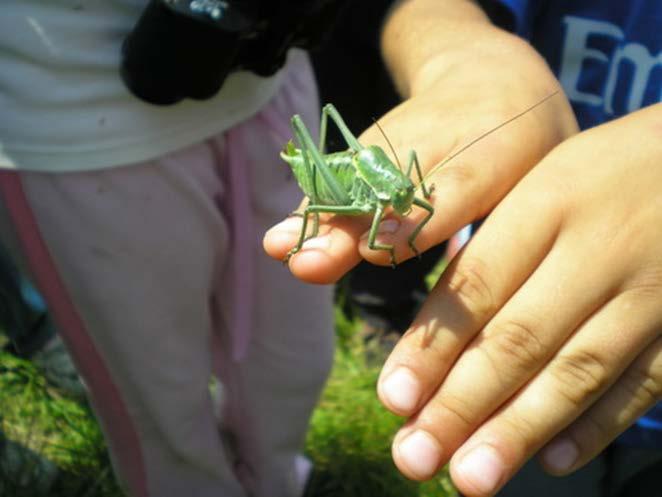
[105, 394]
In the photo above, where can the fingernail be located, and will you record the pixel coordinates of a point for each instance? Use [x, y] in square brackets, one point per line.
[290, 224]
[482, 468]
[386, 226]
[319, 242]
[561, 454]
[401, 389]
[421, 453]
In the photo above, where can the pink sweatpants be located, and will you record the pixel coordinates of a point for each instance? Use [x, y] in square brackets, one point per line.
[156, 278]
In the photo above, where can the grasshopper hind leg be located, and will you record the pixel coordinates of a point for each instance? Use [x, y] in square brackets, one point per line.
[316, 224]
[372, 236]
[315, 210]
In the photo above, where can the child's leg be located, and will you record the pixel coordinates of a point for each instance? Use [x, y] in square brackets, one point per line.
[272, 391]
[132, 254]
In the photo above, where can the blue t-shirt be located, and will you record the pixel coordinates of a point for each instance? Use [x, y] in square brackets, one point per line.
[607, 54]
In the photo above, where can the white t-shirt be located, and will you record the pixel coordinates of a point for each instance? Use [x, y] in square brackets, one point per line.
[63, 106]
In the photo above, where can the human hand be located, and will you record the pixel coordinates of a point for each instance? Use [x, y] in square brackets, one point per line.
[462, 77]
[444, 114]
[545, 331]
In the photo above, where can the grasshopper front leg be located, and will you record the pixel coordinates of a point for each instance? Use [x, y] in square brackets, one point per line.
[427, 193]
[413, 161]
[316, 224]
[372, 235]
[410, 240]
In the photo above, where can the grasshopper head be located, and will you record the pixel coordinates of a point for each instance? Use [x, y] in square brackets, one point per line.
[402, 199]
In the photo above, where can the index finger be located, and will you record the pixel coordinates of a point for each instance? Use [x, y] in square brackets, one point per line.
[475, 173]
[466, 189]
[323, 259]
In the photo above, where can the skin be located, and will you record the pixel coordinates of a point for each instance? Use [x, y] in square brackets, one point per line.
[544, 335]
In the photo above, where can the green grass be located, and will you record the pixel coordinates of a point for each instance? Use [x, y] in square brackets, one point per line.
[44, 422]
[349, 439]
[351, 432]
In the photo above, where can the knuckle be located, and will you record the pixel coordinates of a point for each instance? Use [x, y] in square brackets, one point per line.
[591, 431]
[547, 195]
[579, 376]
[647, 284]
[595, 427]
[456, 406]
[521, 430]
[469, 283]
[424, 344]
[516, 345]
[459, 175]
[643, 384]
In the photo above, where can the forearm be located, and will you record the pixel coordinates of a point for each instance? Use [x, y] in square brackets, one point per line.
[424, 40]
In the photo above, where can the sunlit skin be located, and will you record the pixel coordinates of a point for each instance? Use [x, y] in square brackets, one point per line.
[554, 306]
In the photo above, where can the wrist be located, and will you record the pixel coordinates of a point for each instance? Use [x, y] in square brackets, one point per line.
[418, 31]
[427, 41]
[488, 57]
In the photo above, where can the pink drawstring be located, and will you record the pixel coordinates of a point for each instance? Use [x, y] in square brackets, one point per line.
[242, 229]
[238, 209]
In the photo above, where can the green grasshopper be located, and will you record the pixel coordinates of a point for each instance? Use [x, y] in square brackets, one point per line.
[361, 180]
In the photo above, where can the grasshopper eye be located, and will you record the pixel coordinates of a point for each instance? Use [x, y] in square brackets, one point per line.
[402, 200]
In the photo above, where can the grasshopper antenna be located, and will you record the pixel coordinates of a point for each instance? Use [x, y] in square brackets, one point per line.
[390, 145]
[489, 132]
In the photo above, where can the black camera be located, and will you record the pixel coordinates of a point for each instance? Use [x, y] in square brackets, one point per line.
[186, 48]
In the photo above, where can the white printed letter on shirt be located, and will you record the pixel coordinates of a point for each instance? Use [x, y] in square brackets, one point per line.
[576, 51]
